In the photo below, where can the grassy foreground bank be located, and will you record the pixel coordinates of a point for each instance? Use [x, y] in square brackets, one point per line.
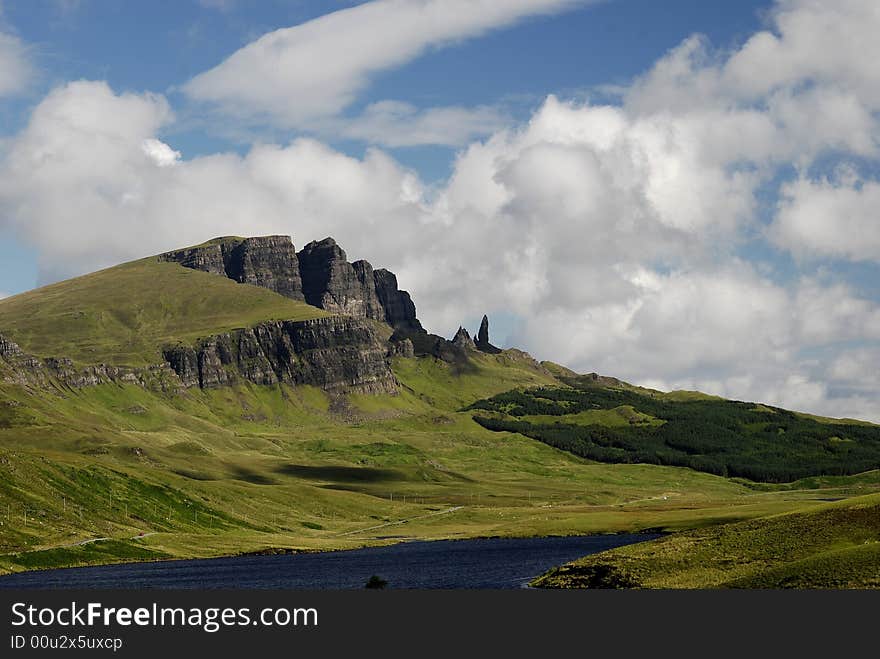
[835, 545]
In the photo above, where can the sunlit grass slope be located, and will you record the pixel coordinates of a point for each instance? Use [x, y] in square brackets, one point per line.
[253, 468]
[125, 314]
[836, 545]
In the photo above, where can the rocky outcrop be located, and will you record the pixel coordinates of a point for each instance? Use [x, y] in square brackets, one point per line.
[330, 282]
[463, 340]
[267, 261]
[319, 274]
[482, 339]
[18, 367]
[400, 312]
[8, 349]
[425, 344]
[210, 257]
[270, 262]
[402, 348]
[334, 353]
[483, 332]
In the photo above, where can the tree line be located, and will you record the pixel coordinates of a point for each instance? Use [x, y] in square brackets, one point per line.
[726, 438]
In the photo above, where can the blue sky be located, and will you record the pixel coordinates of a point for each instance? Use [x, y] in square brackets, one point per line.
[678, 193]
[157, 46]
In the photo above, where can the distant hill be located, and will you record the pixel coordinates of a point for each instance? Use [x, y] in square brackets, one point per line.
[606, 420]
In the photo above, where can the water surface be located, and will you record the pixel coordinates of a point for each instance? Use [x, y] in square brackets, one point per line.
[480, 563]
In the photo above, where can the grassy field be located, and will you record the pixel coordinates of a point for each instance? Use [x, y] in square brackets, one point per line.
[262, 468]
[125, 314]
[835, 545]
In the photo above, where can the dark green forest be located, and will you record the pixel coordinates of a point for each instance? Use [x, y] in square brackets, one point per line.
[722, 437]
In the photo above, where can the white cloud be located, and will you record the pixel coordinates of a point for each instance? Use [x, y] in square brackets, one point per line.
[784, 96]
[812, 45]
[828, 43]
[856, 369]
[727, 332]
[395, 124]
[85, 182]
[828, 217]
[315, 70]
[160, 153]
[613, 232]
[558, 222]
[16, 70]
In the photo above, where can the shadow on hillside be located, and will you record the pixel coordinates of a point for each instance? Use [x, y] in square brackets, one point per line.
[341, 474]
[242, 474]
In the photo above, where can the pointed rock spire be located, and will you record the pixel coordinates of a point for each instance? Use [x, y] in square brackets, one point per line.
[482, 340]
[483, 333]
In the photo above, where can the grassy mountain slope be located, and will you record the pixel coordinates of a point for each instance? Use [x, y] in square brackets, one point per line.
[836, 545]
[251, 468]
[125, 314]
[248, 468]
[137, 474]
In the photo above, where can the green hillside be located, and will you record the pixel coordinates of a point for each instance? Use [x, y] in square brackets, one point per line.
[251, 468]
[833, 546]
[125, 314]
[258, 468]
[622, 424]
[117, 472]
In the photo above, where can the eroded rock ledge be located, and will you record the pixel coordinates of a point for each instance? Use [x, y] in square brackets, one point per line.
[335, 353]
[332, 353]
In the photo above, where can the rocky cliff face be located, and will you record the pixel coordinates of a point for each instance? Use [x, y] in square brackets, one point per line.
[336, 353]
[270, 262]
[18, 367]
[267, 261]
[342, 352]
[400, 312]
[319, 274]
[332, 283]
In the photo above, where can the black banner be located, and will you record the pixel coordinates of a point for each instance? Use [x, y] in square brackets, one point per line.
[455, 623]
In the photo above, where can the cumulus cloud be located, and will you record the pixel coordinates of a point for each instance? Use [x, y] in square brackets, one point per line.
[835, 217]
[312, 71]
[728, 332]
[612, 232]
[828, 43]
[857, 369]
[15, 67]
[787, 94]
[160, 153]
[89, 183]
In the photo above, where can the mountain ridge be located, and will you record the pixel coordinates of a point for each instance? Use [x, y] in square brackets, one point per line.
[342, 305]
[319, 274]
